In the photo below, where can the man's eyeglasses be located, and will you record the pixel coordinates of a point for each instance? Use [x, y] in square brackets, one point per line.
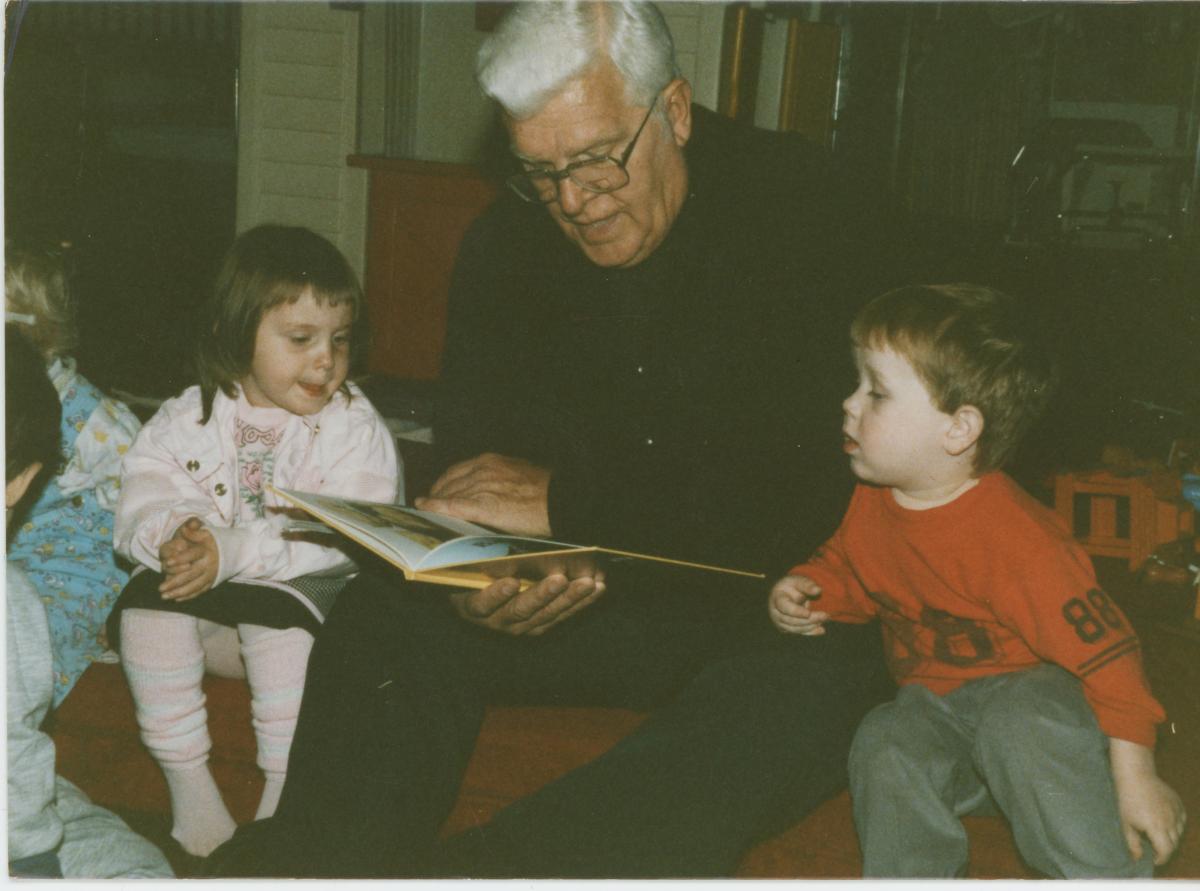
[598, 175]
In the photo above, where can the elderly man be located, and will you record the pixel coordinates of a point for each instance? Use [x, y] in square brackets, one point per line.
[641, 354]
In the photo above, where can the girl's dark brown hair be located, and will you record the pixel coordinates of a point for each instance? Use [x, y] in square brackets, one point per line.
[266, 266]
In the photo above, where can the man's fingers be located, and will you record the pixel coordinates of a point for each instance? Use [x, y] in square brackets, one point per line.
[463, 508]
[531, 603]
[484, 602]
[587, 601]
[457, 479]
[503, 608]
[574, 597]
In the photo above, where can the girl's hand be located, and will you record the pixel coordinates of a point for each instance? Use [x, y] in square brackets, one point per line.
[189, 562]
[789, 609]
[1146, 804]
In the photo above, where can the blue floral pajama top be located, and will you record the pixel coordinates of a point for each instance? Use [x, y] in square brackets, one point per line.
[65, 542]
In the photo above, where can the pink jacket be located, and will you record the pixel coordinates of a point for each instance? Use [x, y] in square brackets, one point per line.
[178, 469]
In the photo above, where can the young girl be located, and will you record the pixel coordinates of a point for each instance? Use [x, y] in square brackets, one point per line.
[64, 543]
[273, 407]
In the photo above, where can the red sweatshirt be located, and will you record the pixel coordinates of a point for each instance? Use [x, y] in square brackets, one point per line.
[990, 583]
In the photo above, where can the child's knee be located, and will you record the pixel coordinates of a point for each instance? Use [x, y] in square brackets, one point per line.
[1036, 712]
[159, 638]
[882, 747]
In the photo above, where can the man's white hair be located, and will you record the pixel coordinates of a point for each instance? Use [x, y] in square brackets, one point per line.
[539, 46]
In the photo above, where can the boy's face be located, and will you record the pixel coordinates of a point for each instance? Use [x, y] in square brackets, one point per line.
[894, 434]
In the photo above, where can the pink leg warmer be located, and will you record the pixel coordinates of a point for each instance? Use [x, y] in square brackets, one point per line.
[276, 661]
[164, 664]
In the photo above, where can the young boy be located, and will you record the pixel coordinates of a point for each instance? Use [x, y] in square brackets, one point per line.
[54, 830]
[1020, 681]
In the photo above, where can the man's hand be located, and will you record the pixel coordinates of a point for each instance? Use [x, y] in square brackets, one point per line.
[789, 609]
[1145, 803]
[503, 607]
[189, 562]
[505, 493]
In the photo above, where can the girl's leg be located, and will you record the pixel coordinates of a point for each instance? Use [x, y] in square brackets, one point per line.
[222, 650]
[911, 780]
[164, 664]
[1046, 762]
[276, 660]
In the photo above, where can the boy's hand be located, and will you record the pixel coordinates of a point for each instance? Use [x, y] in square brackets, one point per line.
[1146, 804]
[189, 562]
[789, 609]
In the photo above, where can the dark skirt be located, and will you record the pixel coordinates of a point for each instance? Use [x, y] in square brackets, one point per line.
[297, 603]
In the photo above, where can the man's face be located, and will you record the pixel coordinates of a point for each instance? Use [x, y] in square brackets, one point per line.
[590, 118]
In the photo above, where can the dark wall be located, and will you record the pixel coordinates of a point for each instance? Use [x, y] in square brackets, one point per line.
[120, 138]
[939, 101]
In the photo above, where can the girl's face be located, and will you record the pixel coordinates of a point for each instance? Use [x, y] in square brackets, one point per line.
[301, 355]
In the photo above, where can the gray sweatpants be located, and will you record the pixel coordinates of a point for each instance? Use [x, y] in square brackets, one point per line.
[1026, 742]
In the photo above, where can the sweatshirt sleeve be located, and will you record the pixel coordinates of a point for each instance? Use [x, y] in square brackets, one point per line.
[360, 464]
[843, 596]
[1057, 607]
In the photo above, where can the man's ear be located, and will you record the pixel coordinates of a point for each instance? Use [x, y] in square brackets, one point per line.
[677, 99]
[966, 426]
[18, 485]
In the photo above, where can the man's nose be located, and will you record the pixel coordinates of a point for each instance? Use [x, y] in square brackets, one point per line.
[848, 405]
[571, 198]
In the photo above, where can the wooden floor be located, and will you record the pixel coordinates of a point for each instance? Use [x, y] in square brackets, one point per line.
[1171, 648]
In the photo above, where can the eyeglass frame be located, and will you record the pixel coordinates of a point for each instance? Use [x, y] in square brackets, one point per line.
[557, 176]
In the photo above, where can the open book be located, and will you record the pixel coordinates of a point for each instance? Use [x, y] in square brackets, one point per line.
[430, 547]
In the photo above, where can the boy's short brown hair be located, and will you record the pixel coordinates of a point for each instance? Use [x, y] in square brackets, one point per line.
[970, 345]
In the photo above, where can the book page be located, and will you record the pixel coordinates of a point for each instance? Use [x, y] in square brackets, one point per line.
[475, 548]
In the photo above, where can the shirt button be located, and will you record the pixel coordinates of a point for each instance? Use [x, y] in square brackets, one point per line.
[641, 369]
[193, 466]
[649, 440]
[219, 488]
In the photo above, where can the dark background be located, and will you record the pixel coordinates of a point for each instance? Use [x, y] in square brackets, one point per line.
[120, 137]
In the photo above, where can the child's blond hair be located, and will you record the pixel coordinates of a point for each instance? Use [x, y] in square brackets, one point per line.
[35, 285]
[970, 345]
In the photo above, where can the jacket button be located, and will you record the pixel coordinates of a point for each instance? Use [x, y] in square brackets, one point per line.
[219, 488]
[193, 466]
